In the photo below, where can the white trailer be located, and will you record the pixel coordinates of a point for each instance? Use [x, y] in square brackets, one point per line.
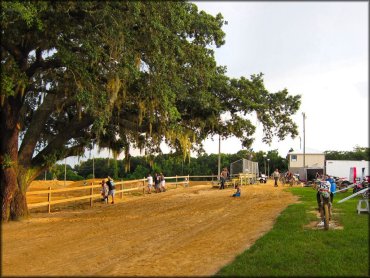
[342, 168]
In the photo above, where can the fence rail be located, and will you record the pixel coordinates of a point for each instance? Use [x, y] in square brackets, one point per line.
[119, 189]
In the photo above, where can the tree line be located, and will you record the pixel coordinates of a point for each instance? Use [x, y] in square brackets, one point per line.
[173, 164]
[358, 153]
[170, 164]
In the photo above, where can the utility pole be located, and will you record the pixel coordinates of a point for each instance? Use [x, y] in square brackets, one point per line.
[65, 171]
[93, 168]
[219, 157]
[304, 140]
[93, 159]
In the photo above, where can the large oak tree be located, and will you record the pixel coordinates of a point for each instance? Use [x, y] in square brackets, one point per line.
[120, 74]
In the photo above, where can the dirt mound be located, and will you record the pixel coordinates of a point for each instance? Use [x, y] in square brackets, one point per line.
[181, 232]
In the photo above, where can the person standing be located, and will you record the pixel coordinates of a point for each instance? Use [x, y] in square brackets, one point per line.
[333, 187]
[150, 183]
[156, 183]
[223, 177]
[162, 182]
[104, 191]
[112, 188]
[276, 176]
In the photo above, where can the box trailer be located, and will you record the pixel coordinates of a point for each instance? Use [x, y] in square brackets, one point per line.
[342, 168]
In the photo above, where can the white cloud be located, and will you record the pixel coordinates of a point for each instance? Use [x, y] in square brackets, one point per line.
[316, 49]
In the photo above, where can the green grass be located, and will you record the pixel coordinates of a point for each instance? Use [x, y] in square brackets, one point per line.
[291, 249]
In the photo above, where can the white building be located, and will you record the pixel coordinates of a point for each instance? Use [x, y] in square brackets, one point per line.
[306, 164]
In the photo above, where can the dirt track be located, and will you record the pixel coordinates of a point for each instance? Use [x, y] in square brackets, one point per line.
[181, 232]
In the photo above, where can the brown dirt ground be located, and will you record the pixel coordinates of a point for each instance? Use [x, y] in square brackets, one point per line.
[189, 231]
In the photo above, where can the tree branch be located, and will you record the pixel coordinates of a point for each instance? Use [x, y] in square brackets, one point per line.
[62, 138]
[44, 65]
[37, 125]
[13, 50]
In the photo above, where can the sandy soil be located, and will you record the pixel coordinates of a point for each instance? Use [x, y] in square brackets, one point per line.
[182, 232]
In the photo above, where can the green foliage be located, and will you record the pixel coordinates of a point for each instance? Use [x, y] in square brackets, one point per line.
[173, 164]
[139, 173]
[72, 176]
[6, 161]
[57, 172]
[358, 153]
[109, 72]
[22, 11]
[292, 249]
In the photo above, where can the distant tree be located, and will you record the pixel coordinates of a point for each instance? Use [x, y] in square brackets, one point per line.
[139, 173]
[72, 176]
[358, 153]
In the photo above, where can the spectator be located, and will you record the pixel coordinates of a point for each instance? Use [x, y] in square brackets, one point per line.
[237, 193]
[150, 183]
[112, 189]
[162, 184]
[333, 187]
[104, 191]
[186, 181]
[276, 176]
[223, 177]
[156, 183]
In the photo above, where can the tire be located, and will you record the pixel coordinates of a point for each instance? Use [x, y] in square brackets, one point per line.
[344, 185]
[326, 215]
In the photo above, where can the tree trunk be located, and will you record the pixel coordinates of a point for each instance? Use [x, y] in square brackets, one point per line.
[14, 203]
[12, 193]
[8, 189]
[13, 190]
[18, 206]
[14, 184]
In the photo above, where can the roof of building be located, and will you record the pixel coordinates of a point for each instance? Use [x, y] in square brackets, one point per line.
[307, 151]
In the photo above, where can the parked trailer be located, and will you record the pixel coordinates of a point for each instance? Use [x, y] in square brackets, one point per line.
[342, 168]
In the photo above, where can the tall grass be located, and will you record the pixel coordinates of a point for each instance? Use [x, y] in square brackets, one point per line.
[292, 248]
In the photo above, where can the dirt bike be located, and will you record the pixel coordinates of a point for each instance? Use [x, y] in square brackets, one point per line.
[296, 180]
[287, 180]
[325, 204]
[325, 208]
[342, 183]
[361, 185]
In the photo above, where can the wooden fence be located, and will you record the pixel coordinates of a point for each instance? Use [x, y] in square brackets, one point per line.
[179, 180]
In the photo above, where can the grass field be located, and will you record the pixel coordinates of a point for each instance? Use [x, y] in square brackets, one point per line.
[295, 247]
